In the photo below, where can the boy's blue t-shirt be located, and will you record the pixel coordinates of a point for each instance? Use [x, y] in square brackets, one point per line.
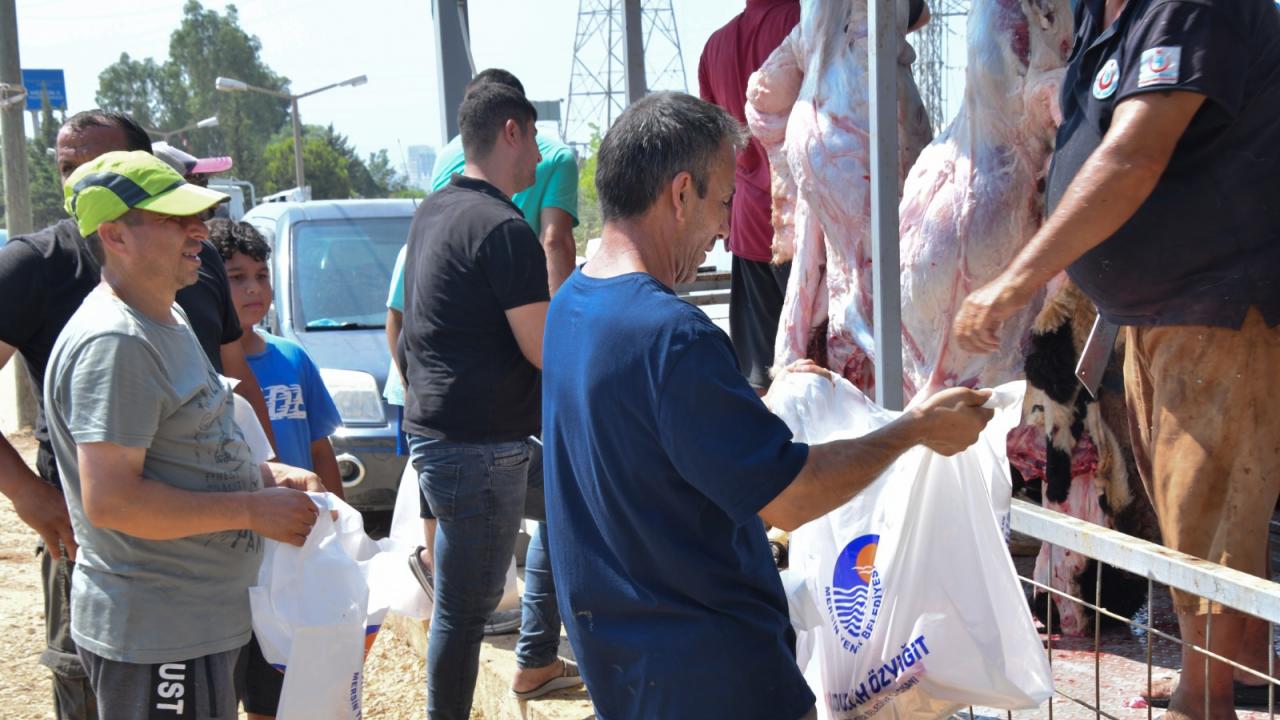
[298, 403]
[658, 458]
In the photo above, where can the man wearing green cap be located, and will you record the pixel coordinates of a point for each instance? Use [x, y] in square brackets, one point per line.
[164, 496]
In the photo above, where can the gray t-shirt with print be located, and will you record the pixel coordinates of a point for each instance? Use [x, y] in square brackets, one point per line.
[120, 377]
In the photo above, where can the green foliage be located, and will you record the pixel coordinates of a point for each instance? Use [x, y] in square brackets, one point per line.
[45, 186]
[333, 168]
[326, 167]
[47, 137]
[589, 222]
[253, 128]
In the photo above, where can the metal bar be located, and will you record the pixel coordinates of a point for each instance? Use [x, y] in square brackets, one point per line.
[1235, 589]
[1048, 637]
[885, 261]
[1151, 610]
[1208, 643]
[1097, 640]
[1271, 669]
[1084, 704]
[1204, 651]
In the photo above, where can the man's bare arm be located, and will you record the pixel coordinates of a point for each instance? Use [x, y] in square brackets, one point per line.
[1113, 183]
[836, 471]
[117, 496]
[234, 365]
[527, 323]
[557, 243]
[37, 503]
[326, 466]
[395, 323]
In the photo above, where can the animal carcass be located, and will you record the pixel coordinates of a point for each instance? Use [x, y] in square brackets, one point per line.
[975, 196]
[809, 106]
[1075, 454]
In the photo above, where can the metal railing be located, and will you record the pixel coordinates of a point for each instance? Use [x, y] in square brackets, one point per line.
[1158, 565]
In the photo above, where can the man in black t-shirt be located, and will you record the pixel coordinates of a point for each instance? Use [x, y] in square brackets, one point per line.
[43, 279]
[475, 303]
[1162, 201]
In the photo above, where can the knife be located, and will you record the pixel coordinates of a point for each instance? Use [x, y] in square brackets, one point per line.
[1096, 355]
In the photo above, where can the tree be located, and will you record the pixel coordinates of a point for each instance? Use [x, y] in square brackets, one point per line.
[391, 182]
[589, 221]
[139, 88]
[326, 166]
[45, 186]
[181, 91]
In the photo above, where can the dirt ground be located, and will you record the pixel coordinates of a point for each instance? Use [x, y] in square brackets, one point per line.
[394, 684]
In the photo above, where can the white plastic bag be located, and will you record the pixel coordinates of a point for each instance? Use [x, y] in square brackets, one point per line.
[905, 599]
[313, 614]
[406, 534]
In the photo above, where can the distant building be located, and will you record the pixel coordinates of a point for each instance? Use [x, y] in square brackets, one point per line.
[420, 158]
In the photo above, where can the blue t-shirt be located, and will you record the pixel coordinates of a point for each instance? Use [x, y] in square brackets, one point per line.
[658, 459]
[298, 403]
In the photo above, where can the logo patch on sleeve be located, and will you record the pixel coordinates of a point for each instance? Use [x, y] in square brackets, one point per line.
[1159, 66]
[1108, 79]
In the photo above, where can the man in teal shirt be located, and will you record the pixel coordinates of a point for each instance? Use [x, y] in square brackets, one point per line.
[550, 205]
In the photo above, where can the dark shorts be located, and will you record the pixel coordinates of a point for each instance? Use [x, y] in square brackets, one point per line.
[258, 683]
[755, 303]
[199, 689]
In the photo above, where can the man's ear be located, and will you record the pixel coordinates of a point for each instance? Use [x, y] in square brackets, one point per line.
[111, 236]
[682, 193]
[511, 131]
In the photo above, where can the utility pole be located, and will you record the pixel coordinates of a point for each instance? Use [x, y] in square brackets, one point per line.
[633, 41]
[454, 64]
[17, 193]
[17, 406]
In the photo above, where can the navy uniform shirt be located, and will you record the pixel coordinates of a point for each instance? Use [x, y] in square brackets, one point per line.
[1205, 246]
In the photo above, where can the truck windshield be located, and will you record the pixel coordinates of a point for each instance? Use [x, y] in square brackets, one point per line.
[342, 270]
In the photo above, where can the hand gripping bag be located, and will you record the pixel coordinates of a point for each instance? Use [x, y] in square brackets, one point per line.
[905, 600]
[312, 613]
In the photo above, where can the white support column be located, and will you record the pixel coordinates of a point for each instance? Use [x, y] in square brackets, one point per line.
[883, 49]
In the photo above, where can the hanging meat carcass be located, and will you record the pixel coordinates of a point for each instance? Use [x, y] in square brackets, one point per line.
[971, 202]
[809, 105]
[975, 197]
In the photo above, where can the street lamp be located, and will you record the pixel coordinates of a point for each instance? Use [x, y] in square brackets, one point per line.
[166, 134]
[226, 84]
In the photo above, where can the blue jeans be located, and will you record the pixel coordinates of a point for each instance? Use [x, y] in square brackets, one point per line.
[539, 642]
[477, 493]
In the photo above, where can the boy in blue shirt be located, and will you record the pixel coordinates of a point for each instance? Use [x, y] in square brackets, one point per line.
[302, 413]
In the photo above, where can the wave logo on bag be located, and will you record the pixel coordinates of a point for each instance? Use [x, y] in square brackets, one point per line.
[856, 592]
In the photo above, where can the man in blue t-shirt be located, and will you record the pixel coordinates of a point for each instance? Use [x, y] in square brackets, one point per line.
[661, 461]
[302, 413]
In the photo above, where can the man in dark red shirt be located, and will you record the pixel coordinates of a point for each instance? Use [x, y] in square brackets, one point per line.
[755, 300]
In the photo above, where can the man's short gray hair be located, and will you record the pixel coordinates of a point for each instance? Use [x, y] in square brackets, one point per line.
[657, 138]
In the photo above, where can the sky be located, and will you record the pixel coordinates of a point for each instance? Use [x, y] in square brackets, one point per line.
[317, 42]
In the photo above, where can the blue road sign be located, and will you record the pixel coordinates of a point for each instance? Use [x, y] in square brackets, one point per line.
[38, 82]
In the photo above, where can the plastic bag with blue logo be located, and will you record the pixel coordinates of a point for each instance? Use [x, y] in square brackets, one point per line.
[314, 615]
[905, 600]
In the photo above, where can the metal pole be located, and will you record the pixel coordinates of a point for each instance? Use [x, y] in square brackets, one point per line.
[883, 49]
[17, 192]
[297, 145]
[633, 45]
